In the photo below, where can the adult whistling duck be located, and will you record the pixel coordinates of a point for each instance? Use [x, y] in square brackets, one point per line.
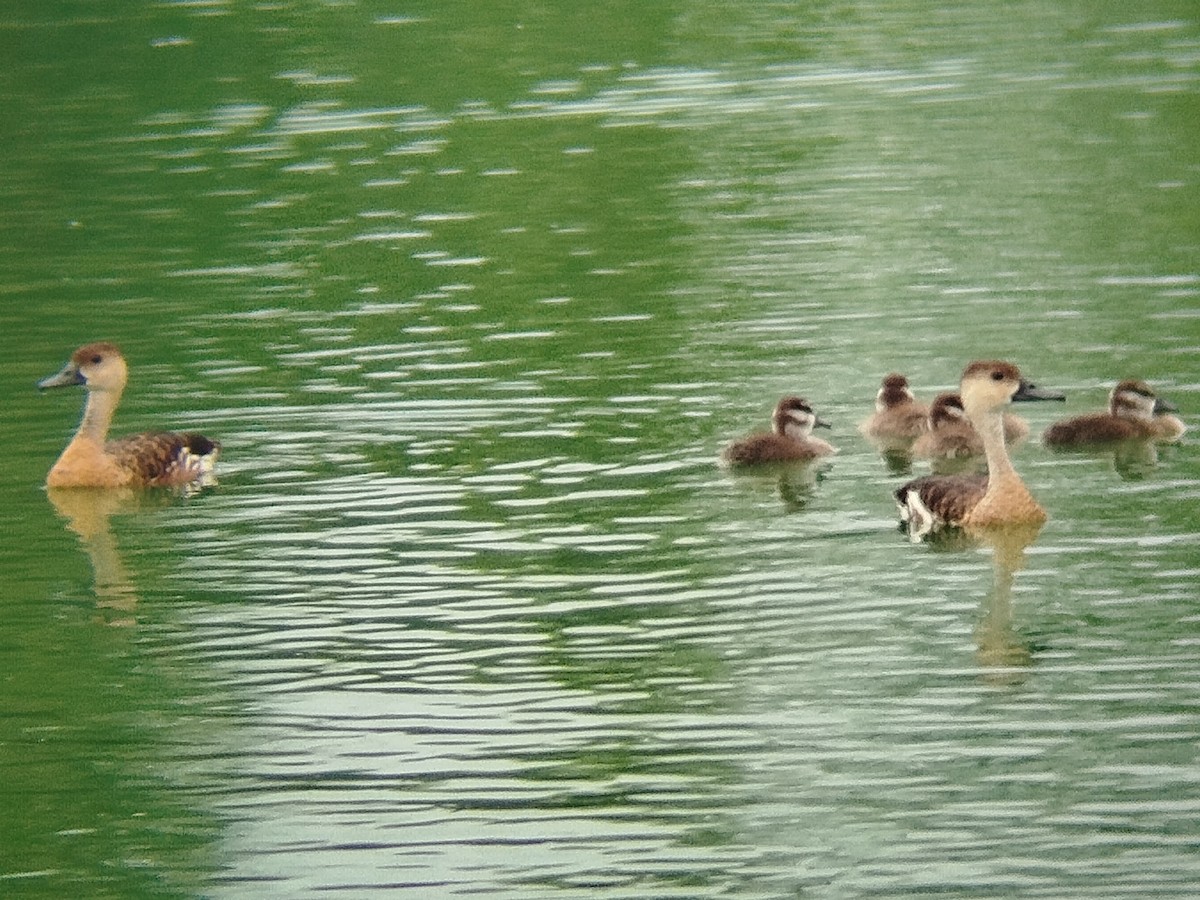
[150, 459]
[978, 501]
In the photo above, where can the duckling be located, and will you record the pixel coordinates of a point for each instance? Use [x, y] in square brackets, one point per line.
[951, 436]
[997, 498]
[150, 459]
[1135, 412]
[791, 440]
[898, 417]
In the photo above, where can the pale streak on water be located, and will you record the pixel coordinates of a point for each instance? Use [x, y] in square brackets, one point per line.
[631, 674]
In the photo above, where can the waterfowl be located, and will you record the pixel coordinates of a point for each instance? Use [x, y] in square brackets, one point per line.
[898, 416]
[1135, 412]
[950, 435]
[150, 459]
[972, 501]
[791, 440]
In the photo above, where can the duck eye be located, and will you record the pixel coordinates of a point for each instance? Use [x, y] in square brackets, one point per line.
[97, 359]
[997, 375]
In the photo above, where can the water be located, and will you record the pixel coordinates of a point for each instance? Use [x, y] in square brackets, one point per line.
[472, 298]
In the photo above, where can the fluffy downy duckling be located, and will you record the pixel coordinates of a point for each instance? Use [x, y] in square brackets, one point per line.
[150, 459]
[978, 501]
[1135, 412]
[791, 441]
[951, 436]
[898, 417]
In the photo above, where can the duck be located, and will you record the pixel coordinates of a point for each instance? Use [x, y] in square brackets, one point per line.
[998, 498]
[791, 441]
[950, 435]
[149, 459]
[1135, 412]
[898, 418]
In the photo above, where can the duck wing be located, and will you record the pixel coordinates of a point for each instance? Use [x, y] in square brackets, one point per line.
[165, 458]
[934, 501]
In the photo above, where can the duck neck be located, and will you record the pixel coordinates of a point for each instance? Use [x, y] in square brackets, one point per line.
[796, 432]
[97, 415]
[1000, 468]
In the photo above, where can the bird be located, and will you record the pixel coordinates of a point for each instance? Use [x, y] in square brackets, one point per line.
[149, 459]
[898, 418]
[1000, 497]
[951, 436]
[1135, 412]
[791, 440]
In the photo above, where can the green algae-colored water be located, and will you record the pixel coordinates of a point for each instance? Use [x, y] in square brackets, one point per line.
[473, 294]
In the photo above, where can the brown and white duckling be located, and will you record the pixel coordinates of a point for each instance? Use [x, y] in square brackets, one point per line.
[898, 417]
[791, 441]
[950, 434]
[150, 459]
[978, 501]
[1135, 412]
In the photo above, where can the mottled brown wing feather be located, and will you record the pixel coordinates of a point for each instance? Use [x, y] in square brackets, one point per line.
[948, 497]
[160, 458]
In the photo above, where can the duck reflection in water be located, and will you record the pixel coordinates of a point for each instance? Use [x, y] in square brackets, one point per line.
[999, 648]
[88, 513]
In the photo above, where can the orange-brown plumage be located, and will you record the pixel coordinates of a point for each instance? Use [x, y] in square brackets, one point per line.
[998, 498]
[149, 459]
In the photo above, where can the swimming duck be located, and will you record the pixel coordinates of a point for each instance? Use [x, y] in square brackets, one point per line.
[997, 498]
[898, 417]
[951, 436]
[150, 459]
[791, 440]
[1135, 412]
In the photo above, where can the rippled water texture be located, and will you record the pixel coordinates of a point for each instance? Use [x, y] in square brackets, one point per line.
[473, 297]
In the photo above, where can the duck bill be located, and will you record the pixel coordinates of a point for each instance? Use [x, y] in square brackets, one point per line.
[1030, 391]
[69, 376]
[1164, 406]
[821, 423]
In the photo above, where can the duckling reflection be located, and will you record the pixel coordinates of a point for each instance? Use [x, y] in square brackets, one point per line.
[794, 483]
[88, 512]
